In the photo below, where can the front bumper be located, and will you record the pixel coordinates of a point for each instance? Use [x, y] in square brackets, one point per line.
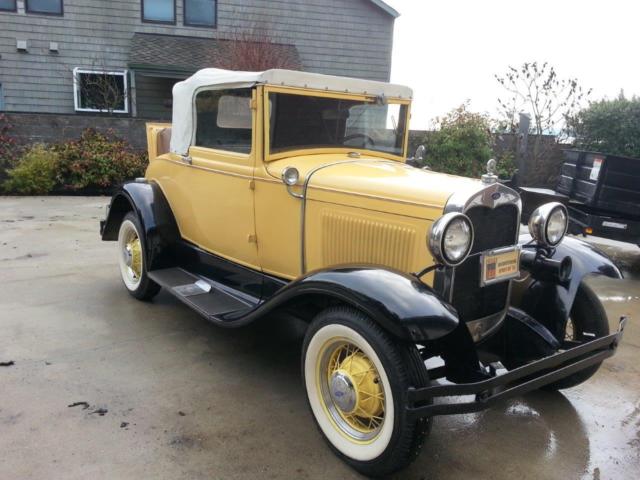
[513, 383]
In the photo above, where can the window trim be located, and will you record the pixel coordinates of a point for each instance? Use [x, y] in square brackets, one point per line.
[76, 89]
[36, 12]
[159, 22]
[196, 25]
[214, 88]
[266, 112]
[14, 9]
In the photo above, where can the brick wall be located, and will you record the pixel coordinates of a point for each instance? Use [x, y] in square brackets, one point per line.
[53, 128]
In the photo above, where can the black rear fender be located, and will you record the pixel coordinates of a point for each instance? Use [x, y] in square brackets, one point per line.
[157, 220]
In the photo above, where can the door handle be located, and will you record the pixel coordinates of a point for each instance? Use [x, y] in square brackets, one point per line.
[186, 159]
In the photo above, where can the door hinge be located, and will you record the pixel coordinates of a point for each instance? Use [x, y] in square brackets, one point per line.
[254, 104]
[252, 238]
[252, 185]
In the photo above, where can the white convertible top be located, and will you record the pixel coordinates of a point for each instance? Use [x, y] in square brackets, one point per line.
[182, 129]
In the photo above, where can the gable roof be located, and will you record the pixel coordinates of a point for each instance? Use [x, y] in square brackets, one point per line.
[379, 3]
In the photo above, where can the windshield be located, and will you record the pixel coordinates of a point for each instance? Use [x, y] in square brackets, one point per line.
[305, 121]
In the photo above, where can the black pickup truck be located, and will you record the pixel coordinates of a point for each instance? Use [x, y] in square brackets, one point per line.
[601, 192]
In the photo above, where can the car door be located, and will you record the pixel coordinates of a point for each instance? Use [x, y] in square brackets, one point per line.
[219, 182]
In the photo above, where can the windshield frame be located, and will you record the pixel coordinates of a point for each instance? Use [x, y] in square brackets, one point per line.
[266, 107]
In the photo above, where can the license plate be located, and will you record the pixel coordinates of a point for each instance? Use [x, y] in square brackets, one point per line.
[621, 226]
[499, 265]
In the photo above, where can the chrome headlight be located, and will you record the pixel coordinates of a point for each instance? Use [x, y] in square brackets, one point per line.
[451, 238]
[548, 223]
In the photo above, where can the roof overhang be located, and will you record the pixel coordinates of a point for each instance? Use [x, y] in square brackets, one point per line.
[391, 11]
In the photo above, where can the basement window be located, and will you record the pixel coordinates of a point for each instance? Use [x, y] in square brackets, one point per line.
[100, 91]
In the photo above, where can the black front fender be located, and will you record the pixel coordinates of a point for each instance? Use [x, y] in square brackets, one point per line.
[399, 303]
[550, 303]
[148, 202]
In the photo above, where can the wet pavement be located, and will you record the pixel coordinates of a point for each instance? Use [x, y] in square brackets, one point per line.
[161, 393]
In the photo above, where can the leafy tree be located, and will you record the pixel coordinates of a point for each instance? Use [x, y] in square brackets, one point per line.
[538, 90]
[609, 126]
[462, 144]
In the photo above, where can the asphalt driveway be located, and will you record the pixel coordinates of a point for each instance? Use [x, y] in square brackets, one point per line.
[168, 395]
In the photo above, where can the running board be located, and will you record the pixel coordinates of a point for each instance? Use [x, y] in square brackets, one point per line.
[211, 300]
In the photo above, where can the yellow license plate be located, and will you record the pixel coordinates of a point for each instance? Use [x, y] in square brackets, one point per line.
[499, 265]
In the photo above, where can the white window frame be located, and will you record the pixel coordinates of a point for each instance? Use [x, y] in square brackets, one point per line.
[76, 88]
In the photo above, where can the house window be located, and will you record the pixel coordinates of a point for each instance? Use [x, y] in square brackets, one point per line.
[8, 5]
[223, 120]
[48, 7]
[200, 13]
[159, 11]
[100, 91]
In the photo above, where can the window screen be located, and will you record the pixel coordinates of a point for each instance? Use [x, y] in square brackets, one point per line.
[224, 120]
[44, 6]
[9, 5]
[200, 13]
[163, 11]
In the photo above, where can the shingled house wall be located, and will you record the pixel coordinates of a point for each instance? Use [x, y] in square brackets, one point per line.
[343, 37]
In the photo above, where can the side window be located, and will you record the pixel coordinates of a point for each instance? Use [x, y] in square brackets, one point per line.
[223, 120]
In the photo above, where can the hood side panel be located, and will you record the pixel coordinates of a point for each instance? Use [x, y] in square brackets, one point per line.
[343, 235]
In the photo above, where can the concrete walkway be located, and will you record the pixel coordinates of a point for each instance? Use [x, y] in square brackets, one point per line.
[170, 396]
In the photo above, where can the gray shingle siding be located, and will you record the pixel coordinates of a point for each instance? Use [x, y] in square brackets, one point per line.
[341, 37]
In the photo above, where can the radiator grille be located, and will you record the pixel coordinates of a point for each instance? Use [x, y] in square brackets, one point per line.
[493, 228]
[350, 239]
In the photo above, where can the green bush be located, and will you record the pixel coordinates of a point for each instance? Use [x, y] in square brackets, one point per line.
[462, 144]
[34, 173]
[97, 161]
[9, 150]
[609, 126]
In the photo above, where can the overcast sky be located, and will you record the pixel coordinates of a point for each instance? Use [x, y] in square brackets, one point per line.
[449, 50]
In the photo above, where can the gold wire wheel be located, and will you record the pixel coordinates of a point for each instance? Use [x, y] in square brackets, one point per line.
[351, 390]
[134, 249]
[131, 260]
[570, 330]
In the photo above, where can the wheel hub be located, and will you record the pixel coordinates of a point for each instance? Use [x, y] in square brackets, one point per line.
[354, 388]
[343, 393]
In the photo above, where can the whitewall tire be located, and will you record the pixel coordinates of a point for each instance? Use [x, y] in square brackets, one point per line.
[356, 378]
[132, 259]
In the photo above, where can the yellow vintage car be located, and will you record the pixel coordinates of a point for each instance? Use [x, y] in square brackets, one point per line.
[284, 191]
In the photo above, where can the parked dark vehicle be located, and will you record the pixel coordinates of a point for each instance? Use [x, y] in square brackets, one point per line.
[601, 192]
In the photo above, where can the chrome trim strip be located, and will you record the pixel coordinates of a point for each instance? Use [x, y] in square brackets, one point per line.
[484, 196]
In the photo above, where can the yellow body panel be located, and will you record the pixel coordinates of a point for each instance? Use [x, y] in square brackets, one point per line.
[368, 208]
